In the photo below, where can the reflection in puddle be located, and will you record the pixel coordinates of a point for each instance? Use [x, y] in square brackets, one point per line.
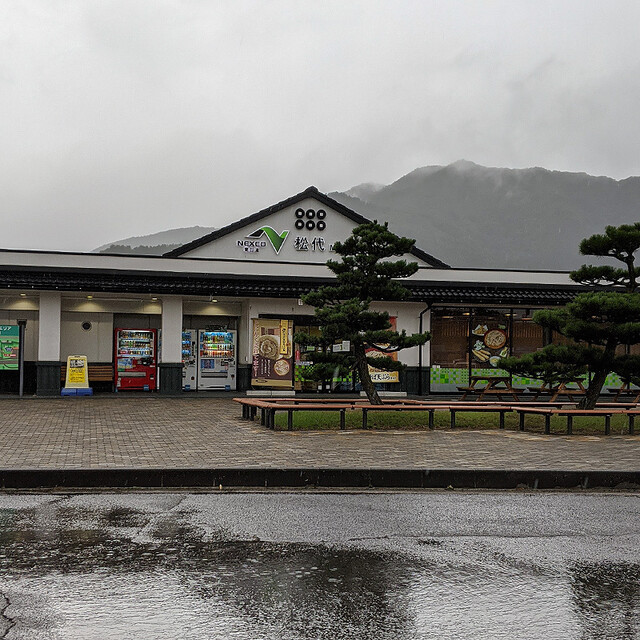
[119, 572]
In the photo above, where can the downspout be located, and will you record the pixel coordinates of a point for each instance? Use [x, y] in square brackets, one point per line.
[420, 352]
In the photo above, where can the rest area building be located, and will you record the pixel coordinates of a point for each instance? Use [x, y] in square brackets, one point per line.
[220, 312]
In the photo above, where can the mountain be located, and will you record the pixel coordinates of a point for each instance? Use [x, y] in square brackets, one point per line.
[473, 216]
[484, 217]
[155, 243]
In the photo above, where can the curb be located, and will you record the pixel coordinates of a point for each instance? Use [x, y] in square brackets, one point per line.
[320, 478]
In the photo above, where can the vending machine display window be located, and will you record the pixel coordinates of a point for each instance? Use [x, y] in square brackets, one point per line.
[189, 360]
[135, 359]
[217, 360]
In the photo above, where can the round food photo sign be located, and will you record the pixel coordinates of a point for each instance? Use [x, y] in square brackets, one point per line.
[490, 345]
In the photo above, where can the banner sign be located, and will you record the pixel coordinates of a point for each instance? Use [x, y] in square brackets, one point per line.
[272, 364]
[9, 346]
[378, 375]
[77, 373]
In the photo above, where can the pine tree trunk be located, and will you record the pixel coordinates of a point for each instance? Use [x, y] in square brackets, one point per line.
[594, 390]
[365, 378]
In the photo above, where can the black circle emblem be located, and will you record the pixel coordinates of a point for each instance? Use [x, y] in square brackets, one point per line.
[321, 224]
[299, 224]
[86, 326]
[299, 213]
[310, 224]
[322, 214]
[311, 213]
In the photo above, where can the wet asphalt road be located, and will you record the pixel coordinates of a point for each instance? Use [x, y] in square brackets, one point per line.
[318, 566]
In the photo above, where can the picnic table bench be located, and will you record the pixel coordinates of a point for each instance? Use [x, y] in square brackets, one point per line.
[560, 389]
[626, 390]
[495, 385]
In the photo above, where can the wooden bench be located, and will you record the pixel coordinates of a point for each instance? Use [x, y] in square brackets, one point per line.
[96, 372]
[483, 408]
[270, 406]
[547, 412]
[631, 415]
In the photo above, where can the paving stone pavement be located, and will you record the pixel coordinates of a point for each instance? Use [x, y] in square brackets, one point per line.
[156, 432]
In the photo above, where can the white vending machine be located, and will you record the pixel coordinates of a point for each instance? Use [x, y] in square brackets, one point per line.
[189, 360]
[217, 360]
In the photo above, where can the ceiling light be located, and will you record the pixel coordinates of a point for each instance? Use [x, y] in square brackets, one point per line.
[213, 300]
[89, 297]
[23, 295]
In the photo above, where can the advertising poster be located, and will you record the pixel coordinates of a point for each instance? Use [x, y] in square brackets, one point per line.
[489, 343]
[272, 364]
[378, 375]
[9, 346]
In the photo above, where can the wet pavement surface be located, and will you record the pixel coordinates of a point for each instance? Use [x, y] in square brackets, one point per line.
[313, 566]
[156, 432]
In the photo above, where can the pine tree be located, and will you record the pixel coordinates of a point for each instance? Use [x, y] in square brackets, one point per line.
[364, 274]
[596, 322]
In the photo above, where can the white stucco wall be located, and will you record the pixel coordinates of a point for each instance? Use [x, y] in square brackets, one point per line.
[96, 343]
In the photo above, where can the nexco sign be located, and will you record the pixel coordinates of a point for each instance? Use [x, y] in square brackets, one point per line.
[253, 243]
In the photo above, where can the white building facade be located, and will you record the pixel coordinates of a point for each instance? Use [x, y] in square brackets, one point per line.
[256, 268]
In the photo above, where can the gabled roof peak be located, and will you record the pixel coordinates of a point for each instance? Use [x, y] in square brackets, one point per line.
[310, 191]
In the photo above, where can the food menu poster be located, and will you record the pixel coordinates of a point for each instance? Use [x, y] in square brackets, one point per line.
[489, 343]
[379, 375]
[272, 363]
[9, 346]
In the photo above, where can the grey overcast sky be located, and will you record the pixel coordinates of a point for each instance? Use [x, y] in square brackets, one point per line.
[127, 117]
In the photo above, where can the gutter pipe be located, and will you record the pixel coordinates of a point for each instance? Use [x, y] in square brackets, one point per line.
[420, 352]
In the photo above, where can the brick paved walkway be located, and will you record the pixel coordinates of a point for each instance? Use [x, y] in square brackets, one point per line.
[156, 432]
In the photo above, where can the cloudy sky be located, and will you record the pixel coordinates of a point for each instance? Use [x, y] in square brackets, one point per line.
[127, 117]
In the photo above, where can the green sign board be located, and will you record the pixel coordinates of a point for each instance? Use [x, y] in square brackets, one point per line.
[9, 346]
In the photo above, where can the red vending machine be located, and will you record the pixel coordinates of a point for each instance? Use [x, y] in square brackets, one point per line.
[135, 359]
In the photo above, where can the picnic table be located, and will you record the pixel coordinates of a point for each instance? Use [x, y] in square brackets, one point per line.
[560, 389]
[626, 390]
[495, 385]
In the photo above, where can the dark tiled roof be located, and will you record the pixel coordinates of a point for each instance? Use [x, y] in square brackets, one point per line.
[26, 278]
[495, 294]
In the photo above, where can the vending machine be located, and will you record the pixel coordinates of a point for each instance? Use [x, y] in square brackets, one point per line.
[217, 360]
[135, 359]
[189, 359]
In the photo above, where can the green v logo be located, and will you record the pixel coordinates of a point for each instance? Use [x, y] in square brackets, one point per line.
[276, 239]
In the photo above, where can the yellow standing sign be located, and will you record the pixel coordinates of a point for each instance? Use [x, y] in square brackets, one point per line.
[77, 373]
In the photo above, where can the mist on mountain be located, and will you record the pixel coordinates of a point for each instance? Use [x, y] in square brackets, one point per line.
[484, 217]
